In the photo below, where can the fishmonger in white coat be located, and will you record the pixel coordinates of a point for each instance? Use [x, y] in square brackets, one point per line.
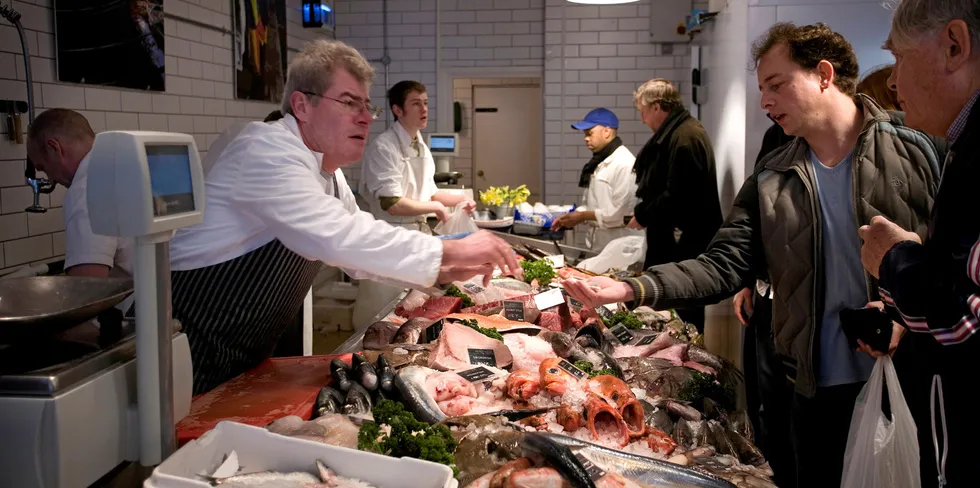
[397, 173]
[609, 182]
[240, 277]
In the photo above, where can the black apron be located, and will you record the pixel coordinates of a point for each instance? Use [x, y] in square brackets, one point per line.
[235, 312]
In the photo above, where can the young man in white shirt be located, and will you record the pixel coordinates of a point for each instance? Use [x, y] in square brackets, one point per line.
[278, 206]
[608, 179]
[397, 173]
[58, 143]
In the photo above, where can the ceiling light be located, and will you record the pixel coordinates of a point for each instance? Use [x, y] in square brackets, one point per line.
[603, 2]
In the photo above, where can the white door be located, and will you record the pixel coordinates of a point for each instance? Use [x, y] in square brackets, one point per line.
[507, 132]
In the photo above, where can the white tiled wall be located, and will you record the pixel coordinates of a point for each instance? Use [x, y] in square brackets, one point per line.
[606, 55]
[199, 100]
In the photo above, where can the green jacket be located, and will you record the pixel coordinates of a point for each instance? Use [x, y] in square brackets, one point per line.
[774, 230]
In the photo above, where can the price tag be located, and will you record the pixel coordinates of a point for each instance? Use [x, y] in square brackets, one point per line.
[573, 303]
[483, 356]
[623, 335]
[604, 313]
[557, 261]
[514, 310]
[646, 340]
[477, 374]
[472, 288]
[595, 472]
[548, 299]
[432, 332]
[571, 369]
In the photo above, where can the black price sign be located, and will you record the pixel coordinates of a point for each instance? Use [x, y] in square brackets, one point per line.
[623, 335]
[432, 332]
[483, 356]
[514, 310]
[477, 374]
[595, 472]
[571, 369]
[604, 313]
[646, 340]
[574, 303]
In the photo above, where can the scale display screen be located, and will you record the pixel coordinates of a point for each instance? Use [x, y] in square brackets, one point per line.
[442, 144]
[170, 179]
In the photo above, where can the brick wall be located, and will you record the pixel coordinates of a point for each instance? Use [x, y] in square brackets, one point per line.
[199, 100]
[606, 55]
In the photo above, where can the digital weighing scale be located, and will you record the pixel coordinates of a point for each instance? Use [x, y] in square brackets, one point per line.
[73, 409]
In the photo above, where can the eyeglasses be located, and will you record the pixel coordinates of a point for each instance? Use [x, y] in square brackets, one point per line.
[355, 107]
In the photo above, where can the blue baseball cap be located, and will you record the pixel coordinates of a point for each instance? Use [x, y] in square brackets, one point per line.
[599, 116]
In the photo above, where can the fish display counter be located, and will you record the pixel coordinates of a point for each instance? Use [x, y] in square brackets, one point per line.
[517, 384]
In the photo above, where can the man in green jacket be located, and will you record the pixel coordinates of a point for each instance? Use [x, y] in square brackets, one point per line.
[796, 219]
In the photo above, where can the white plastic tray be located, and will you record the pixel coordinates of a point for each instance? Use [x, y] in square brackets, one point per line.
[260, 450]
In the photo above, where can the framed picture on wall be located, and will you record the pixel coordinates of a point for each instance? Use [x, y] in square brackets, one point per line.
[92, 36]
[260, 49]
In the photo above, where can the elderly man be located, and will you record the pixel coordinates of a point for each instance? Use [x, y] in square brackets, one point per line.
[278, 206]
[795, 221]
[607, 179]
[934, 288]
[677, 185]
[58, 143]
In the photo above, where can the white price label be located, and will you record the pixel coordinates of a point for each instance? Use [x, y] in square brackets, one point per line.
[557, 261]
[549, 299]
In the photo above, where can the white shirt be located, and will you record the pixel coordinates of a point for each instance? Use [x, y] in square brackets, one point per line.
[82, 246]
[219, 145]
[390, 168]
[612, 190]
[268, 185]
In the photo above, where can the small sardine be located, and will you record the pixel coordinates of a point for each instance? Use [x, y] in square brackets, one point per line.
[386, 375]
[358, 400]
[329, 400]
[341, 375]
[410, 382]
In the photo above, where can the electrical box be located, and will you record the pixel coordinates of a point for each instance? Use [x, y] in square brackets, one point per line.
[318, 14]
[668, 20]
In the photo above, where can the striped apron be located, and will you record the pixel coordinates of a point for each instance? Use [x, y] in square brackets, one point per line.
[235, 312]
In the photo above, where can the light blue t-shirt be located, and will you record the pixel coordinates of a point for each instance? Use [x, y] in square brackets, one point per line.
[844, 279]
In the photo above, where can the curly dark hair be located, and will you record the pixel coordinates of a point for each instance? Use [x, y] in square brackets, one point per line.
[810, 44]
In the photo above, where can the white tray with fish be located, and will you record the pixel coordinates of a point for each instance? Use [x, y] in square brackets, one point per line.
[495, 224]
[261, 457]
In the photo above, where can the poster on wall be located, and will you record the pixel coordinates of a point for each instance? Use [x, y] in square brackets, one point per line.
[92, 36]
[260, 49]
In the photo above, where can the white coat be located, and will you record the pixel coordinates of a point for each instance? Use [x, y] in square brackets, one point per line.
[390, 168]
[612, 196]
[267, 185]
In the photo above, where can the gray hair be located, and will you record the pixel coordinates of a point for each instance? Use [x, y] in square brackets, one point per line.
[312, 69]
[659, 91]
[913, 18]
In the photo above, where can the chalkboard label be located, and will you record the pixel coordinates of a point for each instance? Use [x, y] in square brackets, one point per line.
[483, 356]
[573, 303]
[571, 369]
[623, 335]
[514, 310]
[604, 313]
[432, 332]
[477, 374]
[595, 472]
[548, 299]
[646, 340]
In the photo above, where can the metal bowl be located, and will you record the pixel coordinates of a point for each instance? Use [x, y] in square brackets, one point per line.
[44, 305]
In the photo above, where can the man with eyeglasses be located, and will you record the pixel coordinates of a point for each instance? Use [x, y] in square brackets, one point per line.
[397, 173]
[278, 206]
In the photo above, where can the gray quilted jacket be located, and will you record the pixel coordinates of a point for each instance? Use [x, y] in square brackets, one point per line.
[774, 229]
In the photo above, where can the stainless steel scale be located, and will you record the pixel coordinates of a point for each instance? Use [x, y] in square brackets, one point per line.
[68, 399]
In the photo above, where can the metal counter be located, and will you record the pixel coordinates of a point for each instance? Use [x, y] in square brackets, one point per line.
[353, 344]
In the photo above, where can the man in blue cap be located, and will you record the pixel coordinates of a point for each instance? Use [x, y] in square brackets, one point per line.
[608, 180]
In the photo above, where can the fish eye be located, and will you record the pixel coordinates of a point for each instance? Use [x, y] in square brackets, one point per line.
[553, 371]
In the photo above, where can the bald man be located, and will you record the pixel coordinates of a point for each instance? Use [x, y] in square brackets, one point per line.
[58, 143]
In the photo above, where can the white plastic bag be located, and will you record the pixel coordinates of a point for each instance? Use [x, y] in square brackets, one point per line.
[881, 453]
[618, 254]
[459, 222]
